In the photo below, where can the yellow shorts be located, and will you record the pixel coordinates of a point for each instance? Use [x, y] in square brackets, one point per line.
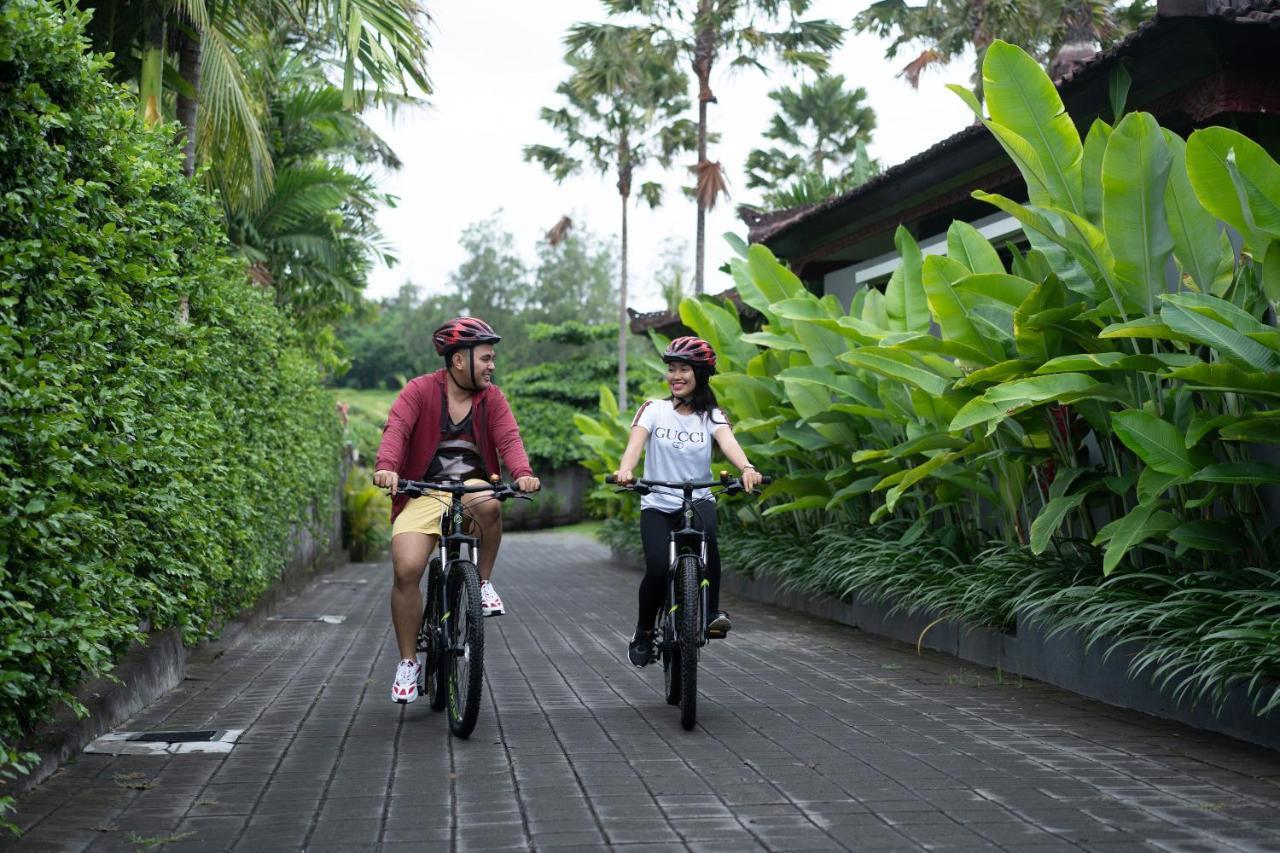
[422, 515]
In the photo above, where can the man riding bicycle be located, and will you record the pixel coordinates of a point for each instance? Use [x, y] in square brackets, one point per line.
[452, 424]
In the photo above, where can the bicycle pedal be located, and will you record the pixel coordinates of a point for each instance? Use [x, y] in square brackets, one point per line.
[716, 634]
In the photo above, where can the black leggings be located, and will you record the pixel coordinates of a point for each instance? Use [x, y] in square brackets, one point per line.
[655, 533]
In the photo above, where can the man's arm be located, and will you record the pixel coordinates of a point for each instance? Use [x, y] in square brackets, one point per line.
[395, 437]
[506, 438]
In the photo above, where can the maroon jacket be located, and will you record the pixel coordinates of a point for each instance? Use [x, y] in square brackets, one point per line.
[412, 433]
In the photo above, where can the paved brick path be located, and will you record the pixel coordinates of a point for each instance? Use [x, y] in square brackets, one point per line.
[810, 736]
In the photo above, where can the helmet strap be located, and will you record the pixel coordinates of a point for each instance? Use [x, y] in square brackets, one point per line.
[471, 358]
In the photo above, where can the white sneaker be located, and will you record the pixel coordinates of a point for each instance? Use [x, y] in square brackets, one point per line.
[405, 688]
[490, 604]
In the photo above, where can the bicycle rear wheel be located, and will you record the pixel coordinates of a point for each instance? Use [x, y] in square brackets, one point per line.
[435, 679]
[464, 648]
[688, 620]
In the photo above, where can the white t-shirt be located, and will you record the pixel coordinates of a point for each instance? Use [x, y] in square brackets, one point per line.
[678, 450]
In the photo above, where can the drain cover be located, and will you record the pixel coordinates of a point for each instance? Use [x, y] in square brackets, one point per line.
[166, 743]
[326, 617]
[176, 737]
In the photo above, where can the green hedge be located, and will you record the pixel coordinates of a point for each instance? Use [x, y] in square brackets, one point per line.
[151, 466]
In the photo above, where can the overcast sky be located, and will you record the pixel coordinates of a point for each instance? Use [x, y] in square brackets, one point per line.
[494, 64]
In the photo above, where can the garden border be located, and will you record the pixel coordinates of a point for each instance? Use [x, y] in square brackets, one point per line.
[150, 668]
[1059, 658]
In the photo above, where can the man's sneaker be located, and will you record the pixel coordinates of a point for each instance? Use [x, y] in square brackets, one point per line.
[719, 625]
[640, 649]
[405, 688]
[490, 604]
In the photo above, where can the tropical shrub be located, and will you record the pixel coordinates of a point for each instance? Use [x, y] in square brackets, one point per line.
[1042, 397]
[162, 426]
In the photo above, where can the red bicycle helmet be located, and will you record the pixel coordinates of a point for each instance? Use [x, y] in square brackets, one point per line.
[691, 350]
[462, 332]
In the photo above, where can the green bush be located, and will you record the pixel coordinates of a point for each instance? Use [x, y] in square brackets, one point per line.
[161, 425]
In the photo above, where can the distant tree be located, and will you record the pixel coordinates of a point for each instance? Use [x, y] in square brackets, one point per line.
[944, 29]
[621, 103]
[700, 30]
[575, 280]
[823, 129]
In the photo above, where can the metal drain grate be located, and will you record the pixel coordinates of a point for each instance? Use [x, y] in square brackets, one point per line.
[166, 743]
[176, 737]
[327, 618]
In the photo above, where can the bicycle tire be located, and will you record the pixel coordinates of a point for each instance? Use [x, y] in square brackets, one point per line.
[688, 620]
[464, 630]
[435, 678]
[670, 651]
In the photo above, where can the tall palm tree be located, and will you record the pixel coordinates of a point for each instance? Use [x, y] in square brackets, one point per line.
[185, 58]
[701, 30]
[822, 127]
[315, 238]
[622, 100]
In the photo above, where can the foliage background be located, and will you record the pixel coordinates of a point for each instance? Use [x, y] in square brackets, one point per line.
[162, 427]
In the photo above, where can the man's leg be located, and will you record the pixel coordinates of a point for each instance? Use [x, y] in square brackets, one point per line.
[409, 554]
[487, 514]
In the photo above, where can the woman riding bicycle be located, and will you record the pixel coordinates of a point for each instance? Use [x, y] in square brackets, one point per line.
[675, 436]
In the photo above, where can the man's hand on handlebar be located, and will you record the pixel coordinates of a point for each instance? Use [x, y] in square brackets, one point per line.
[528, 484]
[387, 480]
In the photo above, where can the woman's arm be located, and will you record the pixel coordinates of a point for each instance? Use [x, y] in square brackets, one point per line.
[737, 457]
[631, 456]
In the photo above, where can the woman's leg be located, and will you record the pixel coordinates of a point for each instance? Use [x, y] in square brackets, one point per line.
[655, 534]
[707, 517]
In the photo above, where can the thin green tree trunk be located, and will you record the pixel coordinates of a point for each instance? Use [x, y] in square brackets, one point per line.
[151, 80]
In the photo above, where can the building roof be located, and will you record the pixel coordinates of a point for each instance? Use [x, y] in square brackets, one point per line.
[768, 226]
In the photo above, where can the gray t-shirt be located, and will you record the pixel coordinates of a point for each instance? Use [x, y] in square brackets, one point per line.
[678, 450]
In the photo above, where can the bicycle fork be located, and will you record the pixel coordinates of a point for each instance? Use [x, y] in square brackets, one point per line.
[704, 590]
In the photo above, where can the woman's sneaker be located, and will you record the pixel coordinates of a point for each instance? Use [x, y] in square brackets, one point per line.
[640, 650]
[490, 604]
[405, 688]
[719, 625]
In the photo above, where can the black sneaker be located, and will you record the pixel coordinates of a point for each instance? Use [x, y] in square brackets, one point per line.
[640, 650]
[719, 625]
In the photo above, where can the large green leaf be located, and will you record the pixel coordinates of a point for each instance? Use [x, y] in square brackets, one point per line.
[1239, 473]
[966, 245]
[1020, 96]
[1196, 239]
[1229, 343]
[1123, 534]
[1228, 377]
[1151, 328]
[905, 304]
[1208, 536]
[1009, 290]
[1014, 368]
[939, 274]
[1095, 146]
[1135, 170]
[813, 326]
[1157, 442]
[1085, 362]
[1263, 430]
[1050, 519]
[896, 365]
[1009, 398]
[1237, 181]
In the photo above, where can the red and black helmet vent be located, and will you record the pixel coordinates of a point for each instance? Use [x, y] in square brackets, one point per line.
[692, 350]
[462, 332]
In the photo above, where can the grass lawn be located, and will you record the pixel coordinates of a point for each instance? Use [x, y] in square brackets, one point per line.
[586, 528]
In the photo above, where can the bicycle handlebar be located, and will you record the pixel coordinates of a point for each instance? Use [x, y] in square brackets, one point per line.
[417, 488]
[725, 480]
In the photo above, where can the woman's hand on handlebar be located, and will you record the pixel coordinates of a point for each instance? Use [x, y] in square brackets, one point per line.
[750, 479]
[387, 480]
[623, 478]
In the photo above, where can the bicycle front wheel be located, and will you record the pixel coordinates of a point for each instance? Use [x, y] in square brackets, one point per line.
[464, 647]
[688, 621]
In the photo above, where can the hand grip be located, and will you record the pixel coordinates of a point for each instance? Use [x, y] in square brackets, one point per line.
[610, 479]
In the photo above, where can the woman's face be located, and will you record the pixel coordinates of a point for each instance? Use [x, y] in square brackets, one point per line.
[680, 378]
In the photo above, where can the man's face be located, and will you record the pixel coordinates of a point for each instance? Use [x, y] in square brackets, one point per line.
[484, 361]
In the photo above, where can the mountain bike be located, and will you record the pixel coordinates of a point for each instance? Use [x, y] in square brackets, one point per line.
[680, 630]
[451, 638]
